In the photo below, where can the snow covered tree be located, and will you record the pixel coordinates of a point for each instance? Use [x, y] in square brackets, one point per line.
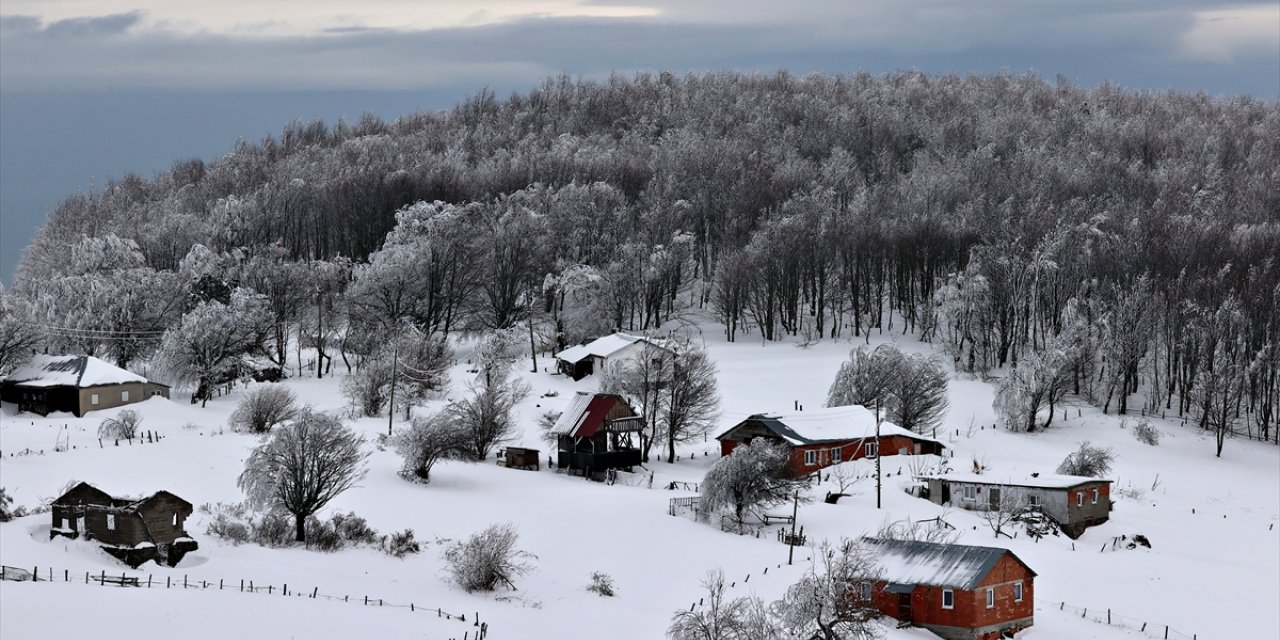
[691, 402]
[910, 389]
[722, 617]
[834, 599]
[18, 338]
[1038, 381]
[641, 381]
[302, 466]
[1003, 510]
[488, 559]
[123, 426]
[752, 476]
[6, 512]
[265, 407]
[417, 364]
[208, 346]
[486, 418]
[427, 441]
[1088, 461]
[865, 378]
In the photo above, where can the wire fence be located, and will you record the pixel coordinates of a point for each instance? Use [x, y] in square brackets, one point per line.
[1109, 617]
[479, 630]
[145, 437]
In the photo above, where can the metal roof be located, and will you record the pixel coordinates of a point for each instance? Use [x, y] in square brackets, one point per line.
[956, 566]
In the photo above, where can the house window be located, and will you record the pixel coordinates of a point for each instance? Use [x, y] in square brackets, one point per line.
[1033, 500]
[970, 492]
[111, 522]
[175, 519]
[1095, 496]
[124, 396]
[62, 523]
[873, 449]
[991, 598]
[1079, 498]
[835, 455]
[93, 399]
[1017, 592]
[948, 599]
[864, 590]
[810, 458]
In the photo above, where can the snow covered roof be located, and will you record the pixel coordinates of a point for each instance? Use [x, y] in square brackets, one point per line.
[1037, 481]
[604, 347]
[588, 412]
[827, 424]
[70, 371]
[941, 565]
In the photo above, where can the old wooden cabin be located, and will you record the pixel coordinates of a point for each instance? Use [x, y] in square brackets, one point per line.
[597, 433]
[132, 530]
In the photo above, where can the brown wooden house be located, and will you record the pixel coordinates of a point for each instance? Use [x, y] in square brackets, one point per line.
[75, 384]
[132, 530]
[596, 433]
[822, 437]
[1074, 502]
[958, 592]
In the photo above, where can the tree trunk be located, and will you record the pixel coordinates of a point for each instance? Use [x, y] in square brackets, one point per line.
[300, 531]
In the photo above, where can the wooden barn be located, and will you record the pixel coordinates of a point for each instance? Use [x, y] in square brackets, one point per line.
[826, 436]
[1074, 502]
[596, 434]
[132, 530]
[958, 592]
[75, 384]
[603, 353]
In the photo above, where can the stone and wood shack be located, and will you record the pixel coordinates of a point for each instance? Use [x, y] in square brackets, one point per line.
[958, 592]
[823, 437]
[1074, 502]
[132, 530]
[597, 433]
[75, 384]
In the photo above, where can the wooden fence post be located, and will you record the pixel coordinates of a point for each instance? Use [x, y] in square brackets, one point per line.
[148, 581]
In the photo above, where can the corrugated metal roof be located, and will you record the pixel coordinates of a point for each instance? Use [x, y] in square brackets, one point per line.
[70, 371]
[1041, 481]
[606, 347]
[957, 566]
[587, 414]
[827, 424]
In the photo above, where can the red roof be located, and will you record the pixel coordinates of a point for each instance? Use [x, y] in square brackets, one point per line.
[593, 417]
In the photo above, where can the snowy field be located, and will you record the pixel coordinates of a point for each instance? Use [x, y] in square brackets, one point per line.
[1213, 571]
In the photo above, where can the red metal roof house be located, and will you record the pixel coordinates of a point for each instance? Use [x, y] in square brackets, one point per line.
[595, 434]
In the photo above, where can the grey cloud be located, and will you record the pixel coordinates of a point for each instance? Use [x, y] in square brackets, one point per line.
[93, 27]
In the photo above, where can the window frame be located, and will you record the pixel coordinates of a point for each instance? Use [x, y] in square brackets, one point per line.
[93, 399]
[124, 395]
[111, 522]
[948, 599]
[1017, 591]
[969, 493]
[810, 458]
[835, 455]
[864, 590]
[1079, 498]
[1095, 495]
[991, 597]
[175, 518]
[1033, 499]
[871, 449]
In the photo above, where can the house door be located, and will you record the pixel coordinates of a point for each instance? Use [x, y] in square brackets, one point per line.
[993, 497]
[80, 525]
[904, 606]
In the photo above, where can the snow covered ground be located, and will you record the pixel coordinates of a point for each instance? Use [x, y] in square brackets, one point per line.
[1213, 571]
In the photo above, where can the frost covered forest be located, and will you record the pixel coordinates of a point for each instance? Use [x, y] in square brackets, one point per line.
[1120, 247]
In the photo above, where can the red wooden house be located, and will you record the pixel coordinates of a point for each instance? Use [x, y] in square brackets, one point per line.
[595, 434]
[958, 592]
[822, 437]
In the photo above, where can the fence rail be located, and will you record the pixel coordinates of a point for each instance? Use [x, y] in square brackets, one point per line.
[123, 579]
[1109, 617]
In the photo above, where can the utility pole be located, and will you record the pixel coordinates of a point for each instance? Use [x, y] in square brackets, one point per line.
[791, 544]
[878, 453]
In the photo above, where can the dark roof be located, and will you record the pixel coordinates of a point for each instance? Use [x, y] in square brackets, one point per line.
[958, 566]
[85, 493]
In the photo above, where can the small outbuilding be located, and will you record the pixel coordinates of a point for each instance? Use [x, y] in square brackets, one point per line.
[596, 434]
[75, 384]
[603, 354]
[823, 437]
[132, 530]
[1074, 502]
[958, 592]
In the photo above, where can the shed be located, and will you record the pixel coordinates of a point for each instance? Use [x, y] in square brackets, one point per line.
[595, 432]
[75, 384]
[134, 530]
[1074, 502]
[604, 353]
[520, 458]
[822, 437]
[958, 592]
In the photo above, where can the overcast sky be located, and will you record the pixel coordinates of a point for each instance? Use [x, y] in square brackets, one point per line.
[90, 89]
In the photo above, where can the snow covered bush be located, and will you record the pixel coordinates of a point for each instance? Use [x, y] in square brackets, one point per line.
[1088, 460]
[488, 559]
[416, 364]
[487, 418]
[230, 522]
[265, 407]
[427, 441]
[354, 529]
[322, 535]
[400, 544]
[271, 529]
[6, 514]
[723, 618]
[936, 531]
[601, 584]
[1146, 433]
[753, 476]
[124, 426]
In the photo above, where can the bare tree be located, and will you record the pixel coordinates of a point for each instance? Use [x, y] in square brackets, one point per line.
[265, 407]
[124, 426]
[722, 617]
[1000, 511]
[488, 559]
[641, 382]
[835, 599]
[486, 418]
[912, 389]
[753, 476]
[692, 401]
[936, 530]
[302, 466]
[1088, 460]
[429, 440]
